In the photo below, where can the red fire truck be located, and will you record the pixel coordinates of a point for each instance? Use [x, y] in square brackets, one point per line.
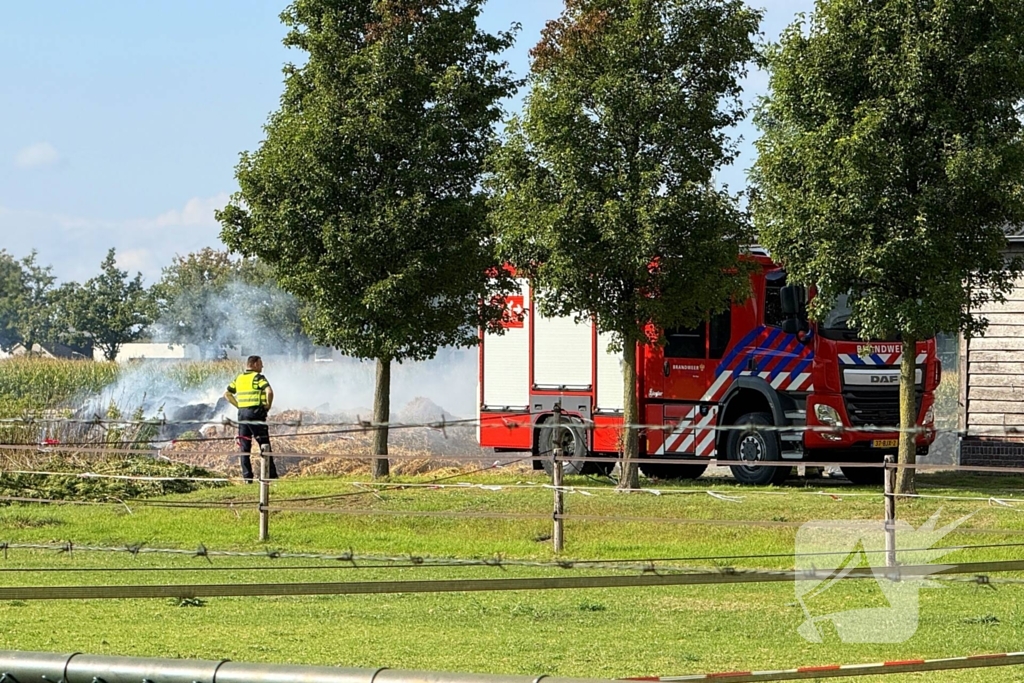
[759, 363]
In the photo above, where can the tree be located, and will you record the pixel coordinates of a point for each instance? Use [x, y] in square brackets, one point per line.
[108, 311]
[26, 302]
[365, 196]
[604, 194]
[190, 295]
[891, 162]
[11, 292]
[214, 300]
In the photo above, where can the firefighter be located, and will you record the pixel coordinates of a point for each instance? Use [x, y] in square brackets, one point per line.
[250, 392]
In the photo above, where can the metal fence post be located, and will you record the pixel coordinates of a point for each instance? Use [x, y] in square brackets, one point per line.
[556, 479]
[264, 496]
[890, 511]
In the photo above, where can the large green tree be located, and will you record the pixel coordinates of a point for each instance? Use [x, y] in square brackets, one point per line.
[605, 192]
[26, 302]
[215, 300]
[106, 312]
[190, 296]
[11, 291]
[365, 195]
[891, 163]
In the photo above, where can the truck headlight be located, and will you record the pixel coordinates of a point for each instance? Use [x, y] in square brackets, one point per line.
[929, 416]
[827, 415]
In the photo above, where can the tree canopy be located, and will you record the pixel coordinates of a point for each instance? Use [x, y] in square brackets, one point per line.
[215, 300]
[106, 312]
[26, 302]
[892, 158]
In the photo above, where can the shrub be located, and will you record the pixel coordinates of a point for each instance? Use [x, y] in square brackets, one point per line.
[75, 486]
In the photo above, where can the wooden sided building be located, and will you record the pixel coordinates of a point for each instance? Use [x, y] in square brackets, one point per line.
[991, 415]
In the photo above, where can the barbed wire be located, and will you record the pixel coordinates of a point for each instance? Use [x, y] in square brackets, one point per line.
[374, 488]
[982, 580]
[350, 558]
[723, 575]
[163, 421]
[475, 458]
[503, 421]
[237, 506]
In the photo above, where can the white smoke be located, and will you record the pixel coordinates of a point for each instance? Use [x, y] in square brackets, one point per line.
[342, 386]
[346, 385]
[263, 320]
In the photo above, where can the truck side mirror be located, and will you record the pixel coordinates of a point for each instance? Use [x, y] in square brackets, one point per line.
[792, 300]
[798, 328]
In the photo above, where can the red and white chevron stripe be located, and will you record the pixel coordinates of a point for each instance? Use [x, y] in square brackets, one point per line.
[843, 670]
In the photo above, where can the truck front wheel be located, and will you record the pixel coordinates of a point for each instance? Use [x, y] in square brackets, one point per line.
[754, 446]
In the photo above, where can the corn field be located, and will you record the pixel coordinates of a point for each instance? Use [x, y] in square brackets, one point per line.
[30, 385]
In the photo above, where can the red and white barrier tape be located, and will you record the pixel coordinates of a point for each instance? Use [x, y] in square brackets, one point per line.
[841, 670]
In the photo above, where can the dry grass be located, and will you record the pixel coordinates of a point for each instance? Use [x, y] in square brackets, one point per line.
[324, 451]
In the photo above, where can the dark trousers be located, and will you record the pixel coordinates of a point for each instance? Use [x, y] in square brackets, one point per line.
[247, 433]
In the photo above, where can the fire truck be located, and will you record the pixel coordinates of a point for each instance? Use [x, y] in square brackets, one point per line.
[761, 363]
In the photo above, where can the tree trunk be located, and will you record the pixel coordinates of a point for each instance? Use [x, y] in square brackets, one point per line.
[381, 417]
[908, 417]
[630, 475]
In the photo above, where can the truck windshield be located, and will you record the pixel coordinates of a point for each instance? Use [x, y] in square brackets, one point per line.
[835, 325]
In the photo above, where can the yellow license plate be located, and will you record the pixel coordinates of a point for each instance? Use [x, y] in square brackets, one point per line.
[885, 443]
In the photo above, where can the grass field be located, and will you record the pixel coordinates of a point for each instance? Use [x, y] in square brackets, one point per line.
[594, 633]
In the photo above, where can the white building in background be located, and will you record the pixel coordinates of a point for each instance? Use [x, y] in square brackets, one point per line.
[163, 351]
[153, 351]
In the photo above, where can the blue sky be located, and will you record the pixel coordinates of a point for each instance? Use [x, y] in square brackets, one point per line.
[122, 120]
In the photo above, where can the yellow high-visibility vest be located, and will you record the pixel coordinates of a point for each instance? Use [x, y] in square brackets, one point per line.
[250, 390]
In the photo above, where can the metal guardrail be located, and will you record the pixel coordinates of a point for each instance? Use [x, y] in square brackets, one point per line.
[45, 667]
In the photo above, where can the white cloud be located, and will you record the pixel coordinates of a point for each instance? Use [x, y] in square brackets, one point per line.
[138, 260]
[75, 245]
[197, 212]
[39, 155]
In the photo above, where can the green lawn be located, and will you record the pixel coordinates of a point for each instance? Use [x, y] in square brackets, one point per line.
[592, 633]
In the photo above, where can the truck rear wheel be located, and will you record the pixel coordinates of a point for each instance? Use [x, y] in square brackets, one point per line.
[573, 441]
[657, 470]
[755, 446]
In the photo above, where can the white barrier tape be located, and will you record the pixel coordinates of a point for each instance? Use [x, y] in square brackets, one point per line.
[731, 496]
[842, 670]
